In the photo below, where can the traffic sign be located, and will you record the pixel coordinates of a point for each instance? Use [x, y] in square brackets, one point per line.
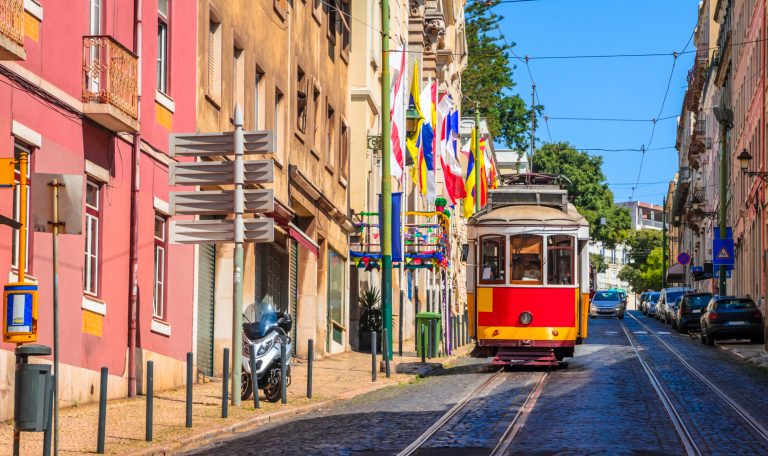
[722, 252]
[221, 172]
[221, 202]
[212, 231]
[218, 144]
[683, 258]
[728, 273]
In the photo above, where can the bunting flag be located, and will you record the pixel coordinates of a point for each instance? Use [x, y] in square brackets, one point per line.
[397, 112]
[413, 143]
[469, 183]
[454, 184]
[428, 101]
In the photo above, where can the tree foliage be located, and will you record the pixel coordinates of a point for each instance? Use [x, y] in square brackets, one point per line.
[488, 77]
[644, 272]
[597, 262]
[588, 190]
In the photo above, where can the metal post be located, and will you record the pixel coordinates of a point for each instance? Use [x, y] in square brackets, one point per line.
[664, 243]
[477, 157]
[23, 160]
[310, 362]
[254, 376]
[237, 282]
[384, 353]
[55, 184]
[386, 177]
[102, 410]
[423, 344]
[189, 390]
[400, 317]
[150, 402]
[283, 373]
[373, 356]
[49, 419]
[533, 125]
[224, 385]
[724, 156]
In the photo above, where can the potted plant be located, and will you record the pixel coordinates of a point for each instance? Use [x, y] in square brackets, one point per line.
[371, 319]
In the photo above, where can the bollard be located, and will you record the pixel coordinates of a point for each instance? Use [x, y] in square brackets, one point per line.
[386, 352]
[310, 361]
[189, 390]
[283, 372]
[423, 344]
[373, 356]
[102, 410]
[49, 430]
[254, 376]
[149, 402]
[225, 386]
[400, 327]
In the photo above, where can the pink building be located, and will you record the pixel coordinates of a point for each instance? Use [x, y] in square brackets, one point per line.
[78, 93]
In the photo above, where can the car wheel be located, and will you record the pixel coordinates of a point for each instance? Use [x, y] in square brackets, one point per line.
[701, 338]
[621, 316]
[710, 340]
[681, 329]
[756, 339]
[674, 324]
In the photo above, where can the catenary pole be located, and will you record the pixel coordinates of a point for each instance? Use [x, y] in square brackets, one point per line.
[386, 180]
[237, 280]
[723, 197]
[477, 157]
[664, 243]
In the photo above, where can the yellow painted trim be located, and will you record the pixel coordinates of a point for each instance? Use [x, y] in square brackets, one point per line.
[529, 333]
[584, 315]
[31, 27]
[485, 299]
[92, 323]
[163, 116]
[471, 314]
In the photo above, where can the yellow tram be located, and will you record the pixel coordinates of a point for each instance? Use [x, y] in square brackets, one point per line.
[528, 273]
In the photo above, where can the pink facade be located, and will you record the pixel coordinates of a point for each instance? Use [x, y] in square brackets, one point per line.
[43, 94]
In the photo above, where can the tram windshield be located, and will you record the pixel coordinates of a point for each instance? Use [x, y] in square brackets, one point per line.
[560, 260]
[493, 261]
[526, 252]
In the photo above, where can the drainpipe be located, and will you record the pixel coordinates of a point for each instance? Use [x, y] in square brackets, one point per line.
[133, 272]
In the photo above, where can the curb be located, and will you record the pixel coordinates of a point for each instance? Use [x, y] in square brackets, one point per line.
[760, 360]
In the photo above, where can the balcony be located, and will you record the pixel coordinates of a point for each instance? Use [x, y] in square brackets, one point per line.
[12, 30]
[110, 77]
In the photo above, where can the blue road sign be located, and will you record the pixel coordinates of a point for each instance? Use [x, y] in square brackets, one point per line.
[697, 269]
[728, 233]
[728, 273]
[722, 252]
[683, 258]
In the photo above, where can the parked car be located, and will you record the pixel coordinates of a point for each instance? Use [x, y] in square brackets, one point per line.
[672, 311]
[729, 317]
[641, 301]
[667, 299]
[649, 308]
[689, 311]
[607, 303]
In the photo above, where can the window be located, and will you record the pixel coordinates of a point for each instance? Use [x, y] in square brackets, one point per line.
[301, 101]
[492, 258]
[92, 236]
[238, 67]
[162, 46]
[525, 251]
[336, 292]
[344, 150]
[214, 60]
[278, 125]
[330, 151]
[161, 260]
[346, 35]
[316, 102]
[560, 260]
[18, 148]
[258, 100]
[331, 13]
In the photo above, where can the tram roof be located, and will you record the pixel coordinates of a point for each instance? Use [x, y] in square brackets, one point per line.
[527, 215]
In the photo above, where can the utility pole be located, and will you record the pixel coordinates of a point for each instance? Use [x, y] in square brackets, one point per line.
[386, 181]
[723, 197]
[237, 282]
[478, 206]
[664, 243]
[533, 126]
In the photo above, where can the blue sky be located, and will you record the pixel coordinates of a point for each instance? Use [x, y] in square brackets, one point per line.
[607, 88]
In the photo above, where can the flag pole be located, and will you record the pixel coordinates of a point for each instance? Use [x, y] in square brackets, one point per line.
[386, 181]
[477, 157]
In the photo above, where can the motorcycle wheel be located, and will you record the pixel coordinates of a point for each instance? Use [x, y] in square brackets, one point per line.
[246, 386]
[272, 388]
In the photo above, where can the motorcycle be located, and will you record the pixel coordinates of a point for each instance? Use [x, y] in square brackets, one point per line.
[265, 334]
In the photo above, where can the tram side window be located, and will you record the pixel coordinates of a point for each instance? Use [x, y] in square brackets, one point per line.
[493, 261]
[525, 250]
[560, 260]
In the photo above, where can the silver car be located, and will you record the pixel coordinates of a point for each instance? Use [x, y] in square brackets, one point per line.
[667, 301]
[650, 303]
[607, 304]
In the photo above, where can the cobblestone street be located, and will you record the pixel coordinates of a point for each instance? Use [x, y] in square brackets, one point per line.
[602, 403]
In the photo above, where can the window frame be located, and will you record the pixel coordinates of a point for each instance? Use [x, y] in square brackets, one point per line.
[330, 138]
[92, 259]
[574, 275]
[277, 124]
[503, 264]
[259, 96]
[214, 59]
[160, 245]
[542, 261]
[16, 209]
[163, 83]
[238, 76]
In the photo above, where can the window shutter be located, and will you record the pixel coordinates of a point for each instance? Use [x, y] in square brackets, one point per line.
[211, 56]
[235, 91]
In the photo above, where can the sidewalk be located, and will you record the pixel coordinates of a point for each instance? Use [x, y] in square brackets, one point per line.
[335, 378]
[751, 353]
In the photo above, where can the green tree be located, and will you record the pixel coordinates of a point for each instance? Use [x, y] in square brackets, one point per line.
[597, 262]
[644, 270]
[587, 190]
[488, 77]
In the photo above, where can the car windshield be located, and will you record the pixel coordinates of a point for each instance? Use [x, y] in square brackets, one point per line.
[673, 295]
[606, 296]
[653, 297]
[736, 304]
[696, 301]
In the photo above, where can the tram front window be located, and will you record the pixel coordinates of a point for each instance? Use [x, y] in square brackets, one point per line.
[493, 260]
[525, 250]
[560, 260]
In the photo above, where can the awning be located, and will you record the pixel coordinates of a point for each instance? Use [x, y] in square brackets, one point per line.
[303, 239]
[676, 274]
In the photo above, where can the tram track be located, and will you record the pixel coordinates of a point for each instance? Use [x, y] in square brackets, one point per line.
[489, 384]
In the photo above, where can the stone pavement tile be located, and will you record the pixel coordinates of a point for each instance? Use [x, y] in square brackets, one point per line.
[751, 353]
[335, 377]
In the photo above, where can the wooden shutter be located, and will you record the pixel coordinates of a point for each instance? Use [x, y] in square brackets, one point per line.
[211, 56]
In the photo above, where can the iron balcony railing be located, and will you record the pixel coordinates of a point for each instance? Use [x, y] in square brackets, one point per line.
[110, 74]
[12, 20]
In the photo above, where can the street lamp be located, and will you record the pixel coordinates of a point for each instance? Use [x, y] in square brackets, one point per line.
[744, 159]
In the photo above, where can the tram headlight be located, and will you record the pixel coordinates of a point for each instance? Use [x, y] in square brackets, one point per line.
[526, 318]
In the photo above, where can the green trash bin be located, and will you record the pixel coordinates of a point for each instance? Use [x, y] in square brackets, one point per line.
[423, 319]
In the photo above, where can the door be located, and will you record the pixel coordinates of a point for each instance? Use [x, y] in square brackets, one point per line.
[336, 292]
[206, 279]
[293, 291]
